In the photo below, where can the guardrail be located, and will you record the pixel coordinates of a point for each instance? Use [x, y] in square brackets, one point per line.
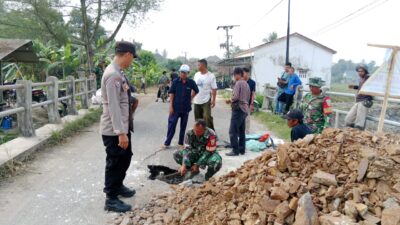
[269, 99]
[24, 105]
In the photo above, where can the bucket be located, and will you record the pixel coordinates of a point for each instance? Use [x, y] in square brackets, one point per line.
[6, 124]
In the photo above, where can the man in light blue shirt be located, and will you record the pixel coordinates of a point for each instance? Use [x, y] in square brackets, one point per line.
[287, 96]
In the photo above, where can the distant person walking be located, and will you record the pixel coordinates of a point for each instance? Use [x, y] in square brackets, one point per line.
[281, 85]
[252, 86]
[358, 113]
[182, 92]
[174, 75]
[205, 99]
[162, 84]
[143, 85]
[240, 110]
[287, 96]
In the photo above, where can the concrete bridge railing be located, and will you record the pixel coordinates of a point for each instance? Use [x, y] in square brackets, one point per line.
[83, 88]
[269, 101]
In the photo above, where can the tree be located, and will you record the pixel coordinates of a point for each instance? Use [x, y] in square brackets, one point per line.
[164, 53]
[271, 37]
[86, 16]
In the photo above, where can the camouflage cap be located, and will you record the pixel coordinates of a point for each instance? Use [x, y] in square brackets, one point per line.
[316, 82]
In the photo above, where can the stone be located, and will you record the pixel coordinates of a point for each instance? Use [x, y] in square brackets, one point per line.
[375, 174]
[368, 153]
[391, 216]
[269, 205]
[332, 220]
[371, 218]
[234, 222]
[282, 210]
[187, 214]
[390, 202]
[126, 221]
[362, 169]
[393, 149]
[279, 193]
[293, 203]
[350, 209]
[396, 187]
[324, 178]
[158, 217]
[282, 158]
[306, 212]
[361, 209]
[356, 195]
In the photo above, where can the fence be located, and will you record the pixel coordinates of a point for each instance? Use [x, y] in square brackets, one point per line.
[269, 99]
[24, 103]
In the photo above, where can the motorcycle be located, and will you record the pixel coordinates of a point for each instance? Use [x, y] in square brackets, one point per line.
[38, 95]
[63, 108]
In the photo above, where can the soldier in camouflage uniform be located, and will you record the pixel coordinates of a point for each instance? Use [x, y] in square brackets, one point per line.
[200, 151]
[317, 107]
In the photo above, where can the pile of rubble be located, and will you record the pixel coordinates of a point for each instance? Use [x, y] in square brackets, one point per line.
[338, 177]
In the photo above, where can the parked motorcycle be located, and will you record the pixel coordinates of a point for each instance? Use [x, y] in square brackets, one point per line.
[63, 108]
[38, 95]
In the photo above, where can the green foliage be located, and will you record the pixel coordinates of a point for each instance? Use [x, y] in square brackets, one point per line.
[173, 64]
[145, 66]
[271, 37]
[71, 128]
[260, 98]
[348, 67]
[275, 124]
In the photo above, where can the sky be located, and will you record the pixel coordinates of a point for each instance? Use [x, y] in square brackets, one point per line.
[190, 25]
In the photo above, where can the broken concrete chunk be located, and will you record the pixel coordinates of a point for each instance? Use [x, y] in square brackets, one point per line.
[282, 210]
[293, 203]
[391, 216]
[332, 220]
[324, 178]
[269, 205]
[350, 209]
[187, 214]
[393, 149]
[306, 212]
[390, 203]
[362, 169]
[278, 193]
[371, 218]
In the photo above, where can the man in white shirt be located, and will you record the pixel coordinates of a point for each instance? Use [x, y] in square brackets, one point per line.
[205, 99]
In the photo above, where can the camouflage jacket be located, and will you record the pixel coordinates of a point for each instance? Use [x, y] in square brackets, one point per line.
[196, 146]
[318, 112]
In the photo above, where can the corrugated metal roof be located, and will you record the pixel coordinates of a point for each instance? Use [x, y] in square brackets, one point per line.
[17, 50]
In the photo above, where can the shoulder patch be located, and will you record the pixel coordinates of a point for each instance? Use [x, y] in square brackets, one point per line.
[327, 106]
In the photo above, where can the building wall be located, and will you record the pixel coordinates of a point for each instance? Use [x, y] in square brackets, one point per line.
[308, 60]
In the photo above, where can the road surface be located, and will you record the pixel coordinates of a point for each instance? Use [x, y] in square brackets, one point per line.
[63, 184]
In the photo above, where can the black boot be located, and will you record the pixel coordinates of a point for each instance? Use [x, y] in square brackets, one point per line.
[232, 153]
[115, 205]
[126, 192]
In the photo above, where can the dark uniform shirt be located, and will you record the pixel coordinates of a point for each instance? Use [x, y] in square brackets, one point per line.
[252, 86]
[174, 76]
[299, 132]
[183, 94]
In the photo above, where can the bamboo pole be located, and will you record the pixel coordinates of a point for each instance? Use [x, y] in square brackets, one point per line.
[387, 89]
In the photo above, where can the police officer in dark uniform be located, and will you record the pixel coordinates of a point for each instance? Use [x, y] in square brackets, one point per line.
[116, 125]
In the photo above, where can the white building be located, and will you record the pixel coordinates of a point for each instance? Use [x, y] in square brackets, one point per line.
[309, 58]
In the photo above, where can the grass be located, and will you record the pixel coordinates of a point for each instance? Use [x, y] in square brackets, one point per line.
[275, 123]
[72, 128]
[341, 88]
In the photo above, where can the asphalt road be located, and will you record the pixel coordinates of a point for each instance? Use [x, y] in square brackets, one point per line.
[63, 184]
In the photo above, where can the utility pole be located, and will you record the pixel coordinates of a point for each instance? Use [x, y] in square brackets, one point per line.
[226, 45]
[186, 60]
[288, 33]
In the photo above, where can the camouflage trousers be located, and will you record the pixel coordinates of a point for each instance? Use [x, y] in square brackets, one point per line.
[211, 160]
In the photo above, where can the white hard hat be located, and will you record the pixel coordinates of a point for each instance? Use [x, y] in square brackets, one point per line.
[184, 68]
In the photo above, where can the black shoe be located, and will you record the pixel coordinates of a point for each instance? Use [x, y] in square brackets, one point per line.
[242, 153]
[115, 205]
[231, 154]
[126, 192]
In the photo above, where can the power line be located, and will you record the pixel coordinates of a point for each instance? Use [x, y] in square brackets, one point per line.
[269, 12]
[366, 8]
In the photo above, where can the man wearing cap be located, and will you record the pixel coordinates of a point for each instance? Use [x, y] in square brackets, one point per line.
[115, 126]
[295, 122]
[317, 107]
[358, 113]
[182, 92]
[200, 151]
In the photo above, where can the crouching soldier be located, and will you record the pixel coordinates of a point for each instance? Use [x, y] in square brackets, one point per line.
[200, 151]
